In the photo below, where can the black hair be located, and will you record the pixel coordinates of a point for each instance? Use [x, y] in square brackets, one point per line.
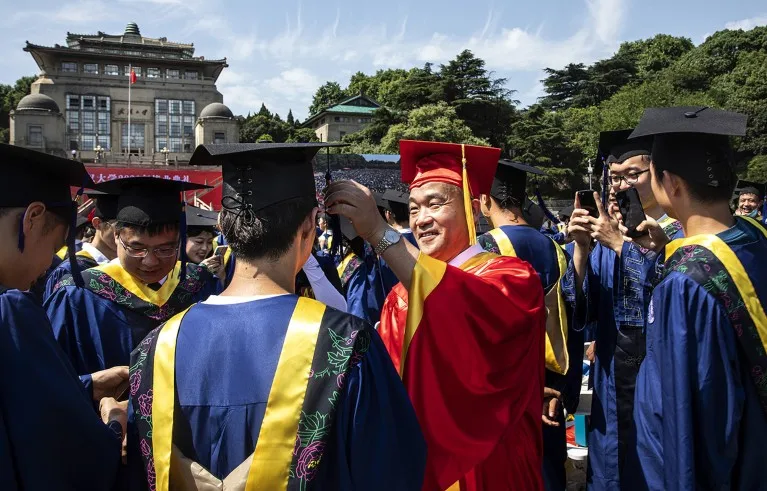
[400, 212]
[54, 218]
[193, 231]
[266, 233]
[701, 191]
[152, 230]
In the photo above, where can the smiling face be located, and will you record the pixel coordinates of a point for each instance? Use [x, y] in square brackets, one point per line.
[636, 171]
[438, 220]
[748, 202]
[198, 247]
[151, 268]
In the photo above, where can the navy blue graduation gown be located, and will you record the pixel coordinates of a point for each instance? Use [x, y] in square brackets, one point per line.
[616, 294]
[62, 270]
[50, 435]
[698, 418]
[538, 249]
[97, 332]
[226, 357]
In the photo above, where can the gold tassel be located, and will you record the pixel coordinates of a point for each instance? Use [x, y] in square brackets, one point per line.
[467, 200]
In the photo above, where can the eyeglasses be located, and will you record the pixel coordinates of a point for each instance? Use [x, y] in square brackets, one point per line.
[159, 252]
[630, 179]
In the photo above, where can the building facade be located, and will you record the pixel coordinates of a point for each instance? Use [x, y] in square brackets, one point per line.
[87, 103]
[346, 117]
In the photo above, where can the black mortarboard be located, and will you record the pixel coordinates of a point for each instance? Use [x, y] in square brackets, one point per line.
[22, 170]
[510, 180]
[380, 201]
[692, 141]
[257, 175]
[199, 217]
[393, 196]
[750, 187]
[566, 212]
[615, 146]
[31, 176]
[81, 221]
[146, 201]
[105, 205]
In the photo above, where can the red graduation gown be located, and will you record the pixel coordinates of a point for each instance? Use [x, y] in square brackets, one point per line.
[469, 345]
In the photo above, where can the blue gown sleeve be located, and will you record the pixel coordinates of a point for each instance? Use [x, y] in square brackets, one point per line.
[378, 428]
[7, 471]
[689, 396]
[75, 327]
[633, 287]
[53, 279]
[56, 438]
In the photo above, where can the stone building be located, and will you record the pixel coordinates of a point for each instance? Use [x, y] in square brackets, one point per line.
[80, 100]
[346, 117]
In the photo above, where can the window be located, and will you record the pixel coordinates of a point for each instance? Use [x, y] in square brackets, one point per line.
[152, 73]
[69, 67]
[341, 135]
[137, 136]
[89, 127]
[174, 125]
[190, 75]
[89, 116]
[89, 143]
[91, 68]
[172, 74]
[103, 128]
[337, 119]
[35, 136]
[219, 138]
[136, 70]
[111, 70]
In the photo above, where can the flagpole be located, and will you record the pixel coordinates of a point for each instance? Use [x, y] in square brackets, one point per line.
[130, 71]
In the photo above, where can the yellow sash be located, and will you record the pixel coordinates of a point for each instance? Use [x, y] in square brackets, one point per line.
[85, 254]
[62, 253]
[342, 267]
[142, 291]
[736, 270]
[557, 358]
[270, 462]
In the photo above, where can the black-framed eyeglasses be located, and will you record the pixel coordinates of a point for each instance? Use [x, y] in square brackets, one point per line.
[630, 179]
[163, 252]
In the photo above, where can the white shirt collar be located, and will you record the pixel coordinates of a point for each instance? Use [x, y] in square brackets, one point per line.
[95, 253]
[469, 253]
[232, 300]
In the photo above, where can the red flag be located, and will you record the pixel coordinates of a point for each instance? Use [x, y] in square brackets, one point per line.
[132, 76]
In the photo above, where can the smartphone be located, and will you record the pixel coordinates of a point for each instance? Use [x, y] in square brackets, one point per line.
[586, 199]
[221, 250]
[631, 209]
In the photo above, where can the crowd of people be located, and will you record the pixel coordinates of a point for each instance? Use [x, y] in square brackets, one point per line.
[320, 334]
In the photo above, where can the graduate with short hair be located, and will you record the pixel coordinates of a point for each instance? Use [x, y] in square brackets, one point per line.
[99, 324]
[50, 436]
[258, 386]
[701, 396]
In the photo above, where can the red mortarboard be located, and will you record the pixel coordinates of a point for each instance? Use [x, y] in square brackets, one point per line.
[423, 162]
[451, 163]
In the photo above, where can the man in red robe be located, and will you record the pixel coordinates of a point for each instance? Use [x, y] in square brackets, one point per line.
[465, 328]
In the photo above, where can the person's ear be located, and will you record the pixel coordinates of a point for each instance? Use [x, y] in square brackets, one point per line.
[310, 229]
[97, 222]
[34, 218]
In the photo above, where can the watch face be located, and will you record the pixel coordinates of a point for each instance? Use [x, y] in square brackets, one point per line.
[392, 236]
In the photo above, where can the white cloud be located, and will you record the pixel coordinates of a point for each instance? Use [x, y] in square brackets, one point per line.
[294, 84]
[747, 24]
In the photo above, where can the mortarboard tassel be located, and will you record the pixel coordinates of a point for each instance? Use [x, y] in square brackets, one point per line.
[334, 220]
[182, 240]
[71, 240]
[604, 183]
[467, 200]
[764, 208]
[21, 232]
[543, 207]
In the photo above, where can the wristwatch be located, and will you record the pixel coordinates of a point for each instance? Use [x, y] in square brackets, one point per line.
[389, 238]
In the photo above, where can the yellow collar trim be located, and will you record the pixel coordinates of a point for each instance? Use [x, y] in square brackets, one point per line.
[142, 291]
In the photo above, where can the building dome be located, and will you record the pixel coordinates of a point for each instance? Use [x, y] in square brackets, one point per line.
[132, 30]
[216, 110]
[37, 102]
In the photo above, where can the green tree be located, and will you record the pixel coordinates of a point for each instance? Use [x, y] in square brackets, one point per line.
[303, 135]
[265, 138]
[9, 99]
[290, 120]
[433, 122]
[327, 95]
[264, 111]
[655, 54]
[562, 86]
[254, 127]
[757, 169]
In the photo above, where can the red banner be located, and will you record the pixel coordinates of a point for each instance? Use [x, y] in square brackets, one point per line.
[210, 177]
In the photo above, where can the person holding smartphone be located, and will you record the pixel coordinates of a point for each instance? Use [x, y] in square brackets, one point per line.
[613, 279]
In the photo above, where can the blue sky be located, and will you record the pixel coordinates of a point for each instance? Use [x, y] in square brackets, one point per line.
[280, 52]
